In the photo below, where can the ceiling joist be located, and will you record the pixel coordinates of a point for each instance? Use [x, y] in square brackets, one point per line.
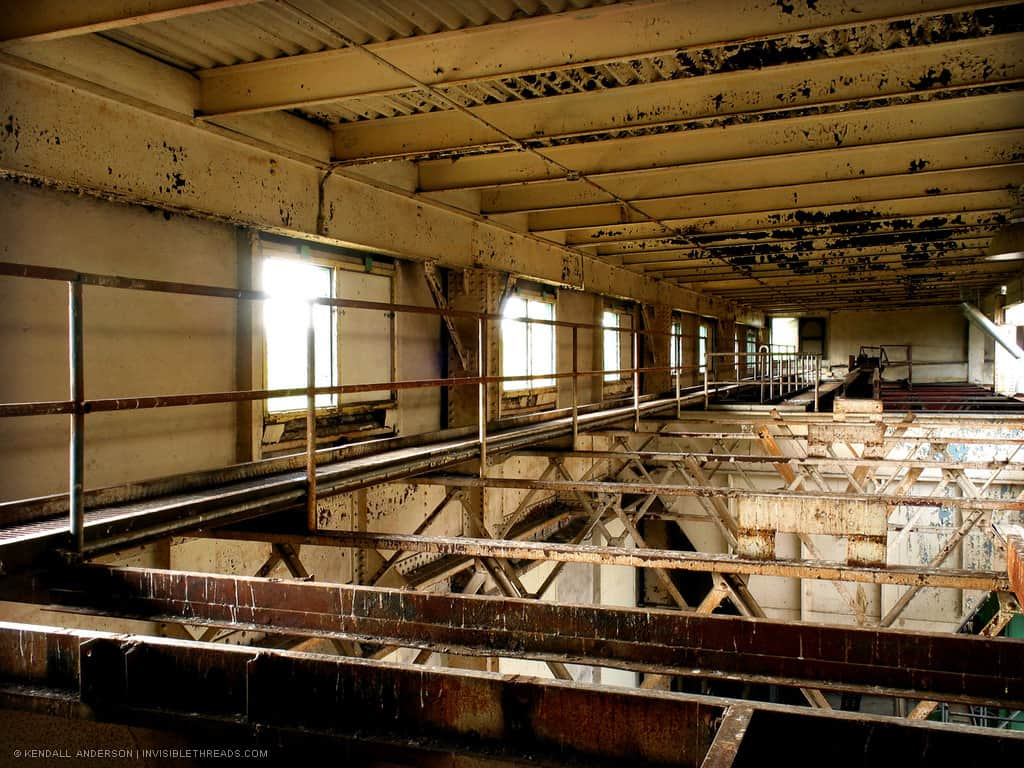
[41, 20]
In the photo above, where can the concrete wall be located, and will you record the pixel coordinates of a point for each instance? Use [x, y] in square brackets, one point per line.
[936, 334]
[419, 354]
[136, 343]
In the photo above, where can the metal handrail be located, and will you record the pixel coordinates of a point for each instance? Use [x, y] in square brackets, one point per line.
[785, 371]
[78, 406]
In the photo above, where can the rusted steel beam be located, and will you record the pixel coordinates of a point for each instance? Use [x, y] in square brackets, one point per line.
[124, 678]
[671, 457]
[948, 667]
[639, 558]
[728, 738]
[920, 420]
[1015, 565]
[380, 708]
[710, 491]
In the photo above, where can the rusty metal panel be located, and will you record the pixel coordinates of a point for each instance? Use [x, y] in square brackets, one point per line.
[642, 558]
[863, 522]
[123, 677]
[825, 434]
[246, 693]
[954, 667]
[837, 517]
[886, 741]
[1015, 565]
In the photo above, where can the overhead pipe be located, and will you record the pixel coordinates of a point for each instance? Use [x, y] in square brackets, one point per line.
[977, 317]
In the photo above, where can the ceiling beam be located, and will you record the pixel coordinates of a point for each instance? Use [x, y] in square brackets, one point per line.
[39, 20]
[841, 235]
[767, 268]
[897, 215]
[922, 157]
[870, 293]
[834, 83]
[825, 280]
[787, 215]
[784, 268]
[883, 125]
[762, 255]
[544, 42]
[847, 191]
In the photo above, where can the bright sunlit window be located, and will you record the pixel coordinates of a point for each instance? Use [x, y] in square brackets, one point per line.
[675, 350]
[527, 349]
[703, 334]
[785, 333]
[286, 319]
[618, 344]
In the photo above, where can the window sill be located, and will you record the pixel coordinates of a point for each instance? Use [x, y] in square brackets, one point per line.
[528, 401]
[327, 411]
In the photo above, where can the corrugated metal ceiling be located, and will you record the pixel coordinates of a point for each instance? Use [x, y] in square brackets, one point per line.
[827, 189]
[270, 30]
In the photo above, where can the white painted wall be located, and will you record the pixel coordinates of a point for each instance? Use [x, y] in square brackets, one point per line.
[937, 334]
[136, 343]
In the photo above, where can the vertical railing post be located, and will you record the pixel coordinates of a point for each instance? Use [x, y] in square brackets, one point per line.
[76, 443]
[817, 380]
[759, 364]
[678, 371]
[481, 368]
[311, 512]
[707, 369]
[636, 381]
[575, 391]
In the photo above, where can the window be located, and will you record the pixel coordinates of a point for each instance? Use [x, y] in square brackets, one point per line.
[618, 343]
[675, 350]
[785, 334]
[812, 336]
[703, 345]
[527, 349]
[751, 362]
[353, 346]
[286, 321]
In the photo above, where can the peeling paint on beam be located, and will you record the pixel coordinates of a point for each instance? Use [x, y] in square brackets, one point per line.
[709, 491]
[806, 238]
[922, 156]
[858, 218]
[946, 118]
[638, 558]
[843, 192]
[203, 170]
[546, 42]
[827, 83]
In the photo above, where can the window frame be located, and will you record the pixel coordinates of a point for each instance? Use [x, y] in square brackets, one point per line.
[626, 319]
[514, 397]
[676, 356]
[750, 363]
[705, 343]
[339, 264]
